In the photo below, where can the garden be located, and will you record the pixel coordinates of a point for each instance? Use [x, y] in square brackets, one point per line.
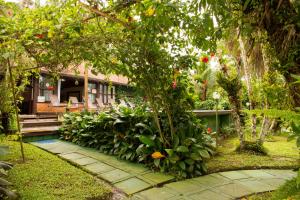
[187, 63]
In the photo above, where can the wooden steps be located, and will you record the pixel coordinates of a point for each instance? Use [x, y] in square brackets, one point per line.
[39, 125]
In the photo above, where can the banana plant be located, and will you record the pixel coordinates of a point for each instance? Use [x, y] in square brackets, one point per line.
[5, 192]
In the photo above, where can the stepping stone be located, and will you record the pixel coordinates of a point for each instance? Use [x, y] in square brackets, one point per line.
[47, 144]
[94, 154]
[234, 175]
[61, 150]
[257, 173]
[211, 180]
[157, 178]
[208, 195]
[285, 174]
[131, 167]
[185, 187]
[233, 189]
[273, 182]
[98, 168]
[156, 193]
[132, 185]
[85, 161]
[256, 186]
[72, 156]
[114, 175]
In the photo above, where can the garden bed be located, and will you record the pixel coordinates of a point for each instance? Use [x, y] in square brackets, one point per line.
[45, 176]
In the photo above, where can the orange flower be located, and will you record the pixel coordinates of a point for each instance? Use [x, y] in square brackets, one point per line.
[157, 155]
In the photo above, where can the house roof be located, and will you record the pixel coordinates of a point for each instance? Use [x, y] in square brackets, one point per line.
[78, 72]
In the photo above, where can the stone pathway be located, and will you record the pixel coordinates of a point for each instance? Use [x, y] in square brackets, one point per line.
[140, 183]
[126, 176]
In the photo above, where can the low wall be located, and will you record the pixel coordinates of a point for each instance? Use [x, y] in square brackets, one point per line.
[209, 116]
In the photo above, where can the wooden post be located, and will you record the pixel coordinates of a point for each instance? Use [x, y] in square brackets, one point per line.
[35, 95]
[58, 89]
[16, 110]
[86, 82]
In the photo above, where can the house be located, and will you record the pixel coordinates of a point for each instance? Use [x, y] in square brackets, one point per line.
[38, 96]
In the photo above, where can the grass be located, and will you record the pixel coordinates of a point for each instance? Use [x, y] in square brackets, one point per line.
[45, 176]
[281, 154]
[288, 191]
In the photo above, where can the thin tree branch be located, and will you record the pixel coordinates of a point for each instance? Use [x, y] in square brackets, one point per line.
[106, 15]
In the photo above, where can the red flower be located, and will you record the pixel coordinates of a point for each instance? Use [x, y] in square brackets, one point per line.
[40, 36]
[50, 88]
[174, 84]
[212, 54]
[209, 130]
[204, 59]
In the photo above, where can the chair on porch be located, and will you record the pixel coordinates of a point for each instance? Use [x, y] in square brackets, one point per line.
[100, 105]
[74, 102]
[55, 101]
[111, 101]
[123, 103]
[92, 106]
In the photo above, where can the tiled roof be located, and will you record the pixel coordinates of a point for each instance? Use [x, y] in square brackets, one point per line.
[78, 72]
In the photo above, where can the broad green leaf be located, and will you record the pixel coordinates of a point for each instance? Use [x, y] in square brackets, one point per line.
[195, 156]
[169, 151]
[146, 140]
[182, 149]
[189, 161]
[182, 165]
[174, 158]
[156, 162]
[204, 154]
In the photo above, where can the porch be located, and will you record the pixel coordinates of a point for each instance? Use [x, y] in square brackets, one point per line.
[71, 92]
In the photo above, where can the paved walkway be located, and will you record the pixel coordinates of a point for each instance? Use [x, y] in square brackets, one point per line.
[140, 183]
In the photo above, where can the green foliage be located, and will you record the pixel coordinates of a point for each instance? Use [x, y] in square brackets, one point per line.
[291, 117]
[252, 147]
[5, 191]
[132, 135]
[211, 105]
[295, 133]
[282, 154]
[289, 190]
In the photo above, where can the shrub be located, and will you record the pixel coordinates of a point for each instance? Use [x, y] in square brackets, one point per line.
[253, 147]
[132, 135]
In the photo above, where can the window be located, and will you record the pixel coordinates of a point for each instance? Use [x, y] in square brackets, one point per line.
[106, 92]
[46, 87]
[92, 92]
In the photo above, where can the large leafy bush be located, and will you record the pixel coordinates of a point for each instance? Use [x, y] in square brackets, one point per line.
[132, 135]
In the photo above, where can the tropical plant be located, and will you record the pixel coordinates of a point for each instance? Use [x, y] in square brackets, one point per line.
[231, 83]
[132, 135]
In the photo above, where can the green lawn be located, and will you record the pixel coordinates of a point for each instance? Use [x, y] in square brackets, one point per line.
[281, 154]
[45, 176]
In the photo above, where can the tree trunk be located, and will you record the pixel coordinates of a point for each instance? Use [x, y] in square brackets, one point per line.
[237, 120]
[12, 84]
[273, 123]
[248, 78]
[264, 129]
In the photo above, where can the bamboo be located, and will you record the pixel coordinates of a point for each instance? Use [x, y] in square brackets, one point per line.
[16, 110]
